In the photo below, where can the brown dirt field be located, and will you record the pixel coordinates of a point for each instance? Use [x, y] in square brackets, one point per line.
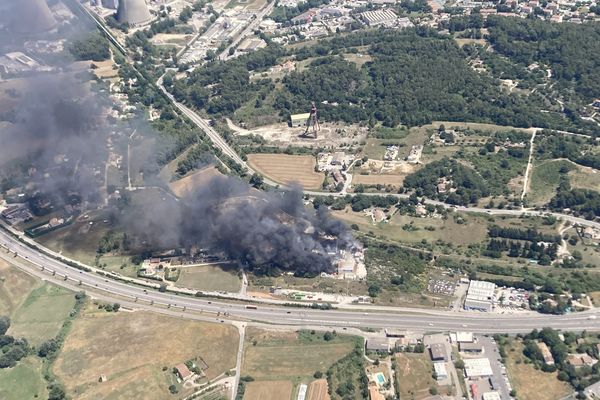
[394, 180]
[131, 349]
[287, 169]
[318, 390]
[15, 286]
[268, 390]
[193, 181]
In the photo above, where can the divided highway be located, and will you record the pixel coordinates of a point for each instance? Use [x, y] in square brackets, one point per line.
[108, 289]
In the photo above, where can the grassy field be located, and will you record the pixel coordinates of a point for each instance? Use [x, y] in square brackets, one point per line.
[413, 375]
[473, 230]
[544, 181]
[287, 169]
[290, 356]
[532, 384]
[193, 181]
[210, 278]
[15, 286]
[23, 382]
[132, 349]
[41, 315]
[268, 390]
[378, 179]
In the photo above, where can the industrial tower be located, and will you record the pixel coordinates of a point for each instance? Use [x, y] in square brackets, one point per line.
[30, 17]
[133, 12]
[312, 121]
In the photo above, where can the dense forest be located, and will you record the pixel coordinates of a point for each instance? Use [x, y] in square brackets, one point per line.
[583, 202]
[415, 76]
[571, 51]
[93, 47]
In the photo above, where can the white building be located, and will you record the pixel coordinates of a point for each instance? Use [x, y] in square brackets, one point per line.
[384, 17]
[480, 296]
[441, 372]
[478, 367]
[491, 396]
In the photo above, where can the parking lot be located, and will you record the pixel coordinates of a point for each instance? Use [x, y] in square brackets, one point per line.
[441, 286]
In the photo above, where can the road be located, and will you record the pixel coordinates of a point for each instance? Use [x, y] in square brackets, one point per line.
[111, 290]
[529, 166]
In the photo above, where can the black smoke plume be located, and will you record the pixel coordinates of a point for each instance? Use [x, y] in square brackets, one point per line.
[264, 231]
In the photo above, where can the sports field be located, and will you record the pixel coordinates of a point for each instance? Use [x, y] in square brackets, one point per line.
[287, 169]
[132, 348]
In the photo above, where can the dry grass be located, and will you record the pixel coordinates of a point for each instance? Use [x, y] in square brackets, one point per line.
[530, 383]
[274, 355]
[15, 286]
[210, 277]
[268, 390]
[287, 169]
[318, 390]
[192, 182]
[380, 179]
[414, 372]
[132, 348]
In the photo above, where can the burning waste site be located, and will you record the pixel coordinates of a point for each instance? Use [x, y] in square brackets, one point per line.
[67, 136]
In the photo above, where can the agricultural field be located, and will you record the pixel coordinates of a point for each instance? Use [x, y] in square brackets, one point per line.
[378, 179]
[133, 349]
[210, 278]
[268, 390]
[192, 182]
[291, 356]
[287, 169]
[317, 390]
[42, 314]
[413, 375]
[530, 383]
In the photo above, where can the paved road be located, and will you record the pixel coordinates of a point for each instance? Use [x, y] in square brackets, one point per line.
[112, 290]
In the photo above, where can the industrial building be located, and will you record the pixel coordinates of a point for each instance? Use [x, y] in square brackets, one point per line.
[385, 17]
[381, 345]
[441, 372]
[133, 12]
[491, 396]
[470, 348]
[480, 296]
[31, 16]
[438, 352]
[478, 368]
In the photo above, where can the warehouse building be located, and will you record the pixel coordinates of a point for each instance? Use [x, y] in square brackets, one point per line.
[383, 17]
[438, 352]
[480, 296]
[478, 368]
[441, 372]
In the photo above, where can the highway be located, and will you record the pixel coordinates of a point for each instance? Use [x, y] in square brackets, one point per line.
[107, 289]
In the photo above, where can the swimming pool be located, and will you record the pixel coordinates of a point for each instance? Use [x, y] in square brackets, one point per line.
[380, 378]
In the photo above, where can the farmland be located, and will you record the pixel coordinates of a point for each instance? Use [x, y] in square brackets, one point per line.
[268, 390]
[210, 278]
[530, 383]
[317, 390]
[132, 349]
[287, 169]
[291, 356]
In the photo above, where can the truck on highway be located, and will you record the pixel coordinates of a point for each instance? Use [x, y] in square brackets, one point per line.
[248, 307]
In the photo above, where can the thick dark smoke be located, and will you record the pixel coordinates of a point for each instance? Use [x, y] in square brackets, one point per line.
[60, 127]
[261, 230]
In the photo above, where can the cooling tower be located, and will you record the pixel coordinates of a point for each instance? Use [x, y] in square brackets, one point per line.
[133, 12]
[31, 16]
